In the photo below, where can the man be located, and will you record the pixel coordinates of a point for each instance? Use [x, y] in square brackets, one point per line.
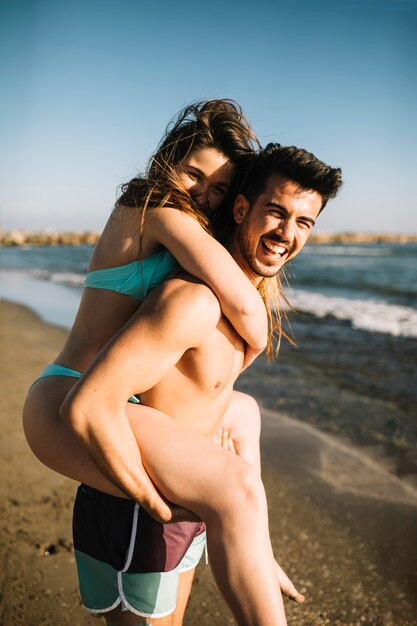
[183, 357]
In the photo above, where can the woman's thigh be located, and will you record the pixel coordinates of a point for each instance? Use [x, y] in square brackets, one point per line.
[53, 442]
[187, 468]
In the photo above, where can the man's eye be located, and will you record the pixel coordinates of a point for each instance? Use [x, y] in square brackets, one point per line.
[219, 190]
[307, 225]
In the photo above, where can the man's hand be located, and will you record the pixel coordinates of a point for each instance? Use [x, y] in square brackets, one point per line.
[180, 514]
[160, 509]
[223, 440]
[166, 512]
[148, 497]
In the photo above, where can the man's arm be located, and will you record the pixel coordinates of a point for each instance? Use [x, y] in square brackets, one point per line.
[175, 317]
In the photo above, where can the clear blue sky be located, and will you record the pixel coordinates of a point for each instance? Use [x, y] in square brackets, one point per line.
[89, 85]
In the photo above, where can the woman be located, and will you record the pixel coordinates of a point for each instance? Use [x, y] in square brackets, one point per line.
[192, 170]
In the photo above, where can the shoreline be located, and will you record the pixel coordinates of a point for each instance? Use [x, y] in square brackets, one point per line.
[334, 517]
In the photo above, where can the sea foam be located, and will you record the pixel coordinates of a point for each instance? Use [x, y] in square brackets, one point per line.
[369, 315]
[71, 279]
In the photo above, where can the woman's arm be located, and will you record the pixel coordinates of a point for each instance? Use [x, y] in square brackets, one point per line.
[204, 257]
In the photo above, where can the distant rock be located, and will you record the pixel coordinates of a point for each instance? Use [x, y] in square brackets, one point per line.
[326, 238]
[48, 238]
[55, 238]
[13, 238]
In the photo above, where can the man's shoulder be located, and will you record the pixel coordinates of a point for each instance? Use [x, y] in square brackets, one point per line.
[186, 288]
[187, 300]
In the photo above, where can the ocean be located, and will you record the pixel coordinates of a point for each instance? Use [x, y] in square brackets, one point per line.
[354, 371]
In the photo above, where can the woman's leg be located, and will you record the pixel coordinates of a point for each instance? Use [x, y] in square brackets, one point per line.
[226, 493]
[222, 489]
[240, 433]
[52, 442]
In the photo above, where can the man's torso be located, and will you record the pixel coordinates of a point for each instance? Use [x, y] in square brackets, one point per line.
[197, 390]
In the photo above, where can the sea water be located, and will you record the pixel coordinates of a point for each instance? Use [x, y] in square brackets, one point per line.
[354, 370]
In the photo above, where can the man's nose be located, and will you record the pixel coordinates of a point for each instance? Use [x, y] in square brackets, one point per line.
[286, 229]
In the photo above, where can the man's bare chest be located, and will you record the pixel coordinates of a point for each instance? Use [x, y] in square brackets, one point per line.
[203, 378]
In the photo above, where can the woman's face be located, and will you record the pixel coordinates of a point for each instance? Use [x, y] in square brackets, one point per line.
[206, 174]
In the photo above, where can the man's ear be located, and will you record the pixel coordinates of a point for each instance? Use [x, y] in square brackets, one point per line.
[241, 207]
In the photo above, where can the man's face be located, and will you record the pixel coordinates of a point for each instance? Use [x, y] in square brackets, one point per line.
[275, 227]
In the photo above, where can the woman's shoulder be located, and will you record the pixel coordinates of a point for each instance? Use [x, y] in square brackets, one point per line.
[121, 242]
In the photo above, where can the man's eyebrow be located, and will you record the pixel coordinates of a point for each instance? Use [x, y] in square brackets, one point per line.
[281, 207]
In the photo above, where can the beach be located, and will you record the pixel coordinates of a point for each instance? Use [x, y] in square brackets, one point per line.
[343, 525]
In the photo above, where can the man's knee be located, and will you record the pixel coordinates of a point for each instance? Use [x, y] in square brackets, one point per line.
[249, 413]
[252, 412]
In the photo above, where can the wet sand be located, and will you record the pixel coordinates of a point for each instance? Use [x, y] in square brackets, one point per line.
[342, 525]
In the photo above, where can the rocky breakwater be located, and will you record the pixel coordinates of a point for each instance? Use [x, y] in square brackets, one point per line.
[55, 238]
[347, 237]
[47, 238]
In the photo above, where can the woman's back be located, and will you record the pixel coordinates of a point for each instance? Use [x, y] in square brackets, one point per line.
[117, 282]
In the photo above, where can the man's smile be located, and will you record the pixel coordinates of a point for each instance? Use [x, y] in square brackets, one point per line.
[273, 248]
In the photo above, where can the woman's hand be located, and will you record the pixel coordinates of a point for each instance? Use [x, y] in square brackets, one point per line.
[250, 356]
[287, 587]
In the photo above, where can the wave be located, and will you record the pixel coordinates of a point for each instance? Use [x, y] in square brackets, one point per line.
[71, 279]
[364, 314]
[369, 315]
[68, 278]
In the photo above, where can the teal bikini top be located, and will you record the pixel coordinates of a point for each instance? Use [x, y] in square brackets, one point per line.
[134, 279]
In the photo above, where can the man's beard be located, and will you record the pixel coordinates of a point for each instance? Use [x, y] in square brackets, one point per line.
[257, 267]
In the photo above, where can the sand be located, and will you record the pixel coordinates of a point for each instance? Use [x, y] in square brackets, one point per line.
[344, 528]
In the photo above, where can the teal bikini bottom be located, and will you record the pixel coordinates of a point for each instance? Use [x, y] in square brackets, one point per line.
[54, 369]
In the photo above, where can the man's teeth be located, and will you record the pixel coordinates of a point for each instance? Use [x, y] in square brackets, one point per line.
[274, 249]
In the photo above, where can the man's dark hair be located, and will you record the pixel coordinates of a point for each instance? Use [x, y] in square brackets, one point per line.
[300, 167]
[293, 163]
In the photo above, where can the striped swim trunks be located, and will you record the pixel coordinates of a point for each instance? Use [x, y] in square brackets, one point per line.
[125, 557]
